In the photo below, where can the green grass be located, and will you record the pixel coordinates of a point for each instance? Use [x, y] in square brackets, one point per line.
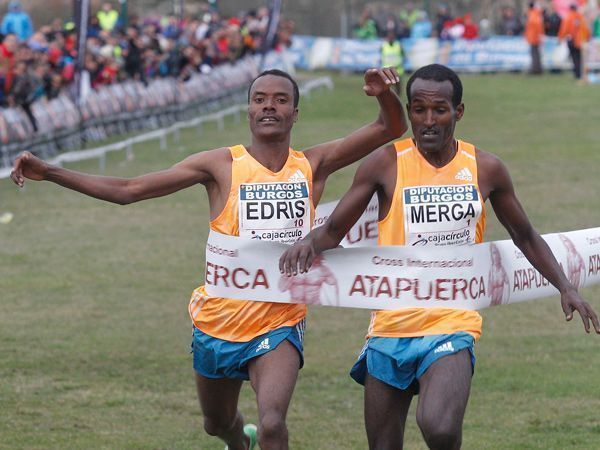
[94, 333]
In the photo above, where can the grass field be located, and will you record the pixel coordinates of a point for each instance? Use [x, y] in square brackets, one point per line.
[94, 332]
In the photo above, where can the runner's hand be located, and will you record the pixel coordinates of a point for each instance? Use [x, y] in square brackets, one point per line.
[297, 259]
[571, 301]
[28, 166]
[377, 81]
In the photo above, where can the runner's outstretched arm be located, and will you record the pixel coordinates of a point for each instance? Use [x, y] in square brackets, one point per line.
[192, 170]
[509, 211]
[390, 124]
[299, 257]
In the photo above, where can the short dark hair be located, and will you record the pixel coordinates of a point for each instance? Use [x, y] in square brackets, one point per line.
[440, 73]
[278, 73]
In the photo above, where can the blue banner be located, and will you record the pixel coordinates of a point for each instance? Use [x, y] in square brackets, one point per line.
[496, 54]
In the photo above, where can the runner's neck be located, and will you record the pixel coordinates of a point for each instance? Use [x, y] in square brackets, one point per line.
[272, 156]
[443, 157]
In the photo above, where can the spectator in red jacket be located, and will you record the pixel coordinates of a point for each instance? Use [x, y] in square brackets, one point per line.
[8, 48]
[471, 29]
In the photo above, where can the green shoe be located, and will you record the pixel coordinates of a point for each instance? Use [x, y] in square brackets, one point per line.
[250, 431]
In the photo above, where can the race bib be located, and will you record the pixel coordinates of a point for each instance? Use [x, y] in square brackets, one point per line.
[441, 215]
[277, 211]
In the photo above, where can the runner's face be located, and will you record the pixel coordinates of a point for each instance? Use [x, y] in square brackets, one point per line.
[271, 109]
[432, 115]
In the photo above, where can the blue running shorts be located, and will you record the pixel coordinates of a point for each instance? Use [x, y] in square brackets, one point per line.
[400, 362]
[217, 358]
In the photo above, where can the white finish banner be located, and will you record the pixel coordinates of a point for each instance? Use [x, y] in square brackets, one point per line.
[466, 277]
[363, 233]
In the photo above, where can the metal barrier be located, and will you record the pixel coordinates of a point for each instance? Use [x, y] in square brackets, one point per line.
[161, 134]
[128, 107]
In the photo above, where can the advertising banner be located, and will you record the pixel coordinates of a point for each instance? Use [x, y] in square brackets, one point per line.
[363, 233]
[496, 54]
[366, 276]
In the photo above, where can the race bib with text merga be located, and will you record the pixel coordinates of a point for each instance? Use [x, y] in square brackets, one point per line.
[278, 211]
[441, 215]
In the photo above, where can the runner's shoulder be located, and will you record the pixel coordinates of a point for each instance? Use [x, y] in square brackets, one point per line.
[375, 164]
[221, 152]
[488, 163]
[492, 172]
[215, 156]
[210, 165]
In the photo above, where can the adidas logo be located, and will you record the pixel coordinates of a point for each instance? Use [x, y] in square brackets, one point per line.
[298, 176]
[264, 345]
[445, 347]
[464, 174]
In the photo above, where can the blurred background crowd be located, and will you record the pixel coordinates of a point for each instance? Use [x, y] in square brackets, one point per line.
[412, 21]
[39, 61]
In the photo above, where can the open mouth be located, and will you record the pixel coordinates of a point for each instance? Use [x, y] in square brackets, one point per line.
[268, 119]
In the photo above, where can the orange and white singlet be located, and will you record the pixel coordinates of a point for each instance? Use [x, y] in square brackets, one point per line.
[261, 205]
[431, 207]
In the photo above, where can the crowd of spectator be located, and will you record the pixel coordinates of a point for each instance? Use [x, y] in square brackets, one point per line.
[40, 63]
[412, 22]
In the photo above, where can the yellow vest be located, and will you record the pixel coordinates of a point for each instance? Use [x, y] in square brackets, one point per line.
[391, 56]
[108, 20]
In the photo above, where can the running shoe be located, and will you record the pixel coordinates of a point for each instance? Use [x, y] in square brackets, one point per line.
[250, 431]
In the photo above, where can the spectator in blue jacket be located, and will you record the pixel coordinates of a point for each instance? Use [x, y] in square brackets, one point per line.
[17, 22]
[422, 26]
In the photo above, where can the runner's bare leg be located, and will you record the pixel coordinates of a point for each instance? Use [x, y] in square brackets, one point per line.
[386, 408]
[219, 404]
[443, 396]
[273, 377]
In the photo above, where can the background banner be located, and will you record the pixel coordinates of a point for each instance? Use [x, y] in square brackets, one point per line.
[466, 277]
[495, 54]
[363, 233]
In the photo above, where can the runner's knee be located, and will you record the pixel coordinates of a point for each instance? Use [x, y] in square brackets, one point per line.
[272, 427]
[218, 426]
[385, 442]
[440, 435]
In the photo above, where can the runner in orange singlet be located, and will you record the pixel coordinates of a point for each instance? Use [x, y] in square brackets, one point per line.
[431, 190]
[267, 191]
